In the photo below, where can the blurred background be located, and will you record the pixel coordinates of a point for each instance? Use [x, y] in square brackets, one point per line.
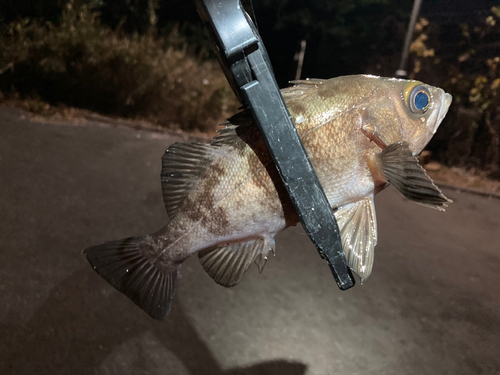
[151, 59]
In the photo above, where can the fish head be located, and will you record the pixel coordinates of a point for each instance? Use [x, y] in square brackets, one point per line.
[406, 111]
[425, 107]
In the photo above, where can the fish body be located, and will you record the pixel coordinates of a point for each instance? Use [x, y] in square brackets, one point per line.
[226, 200]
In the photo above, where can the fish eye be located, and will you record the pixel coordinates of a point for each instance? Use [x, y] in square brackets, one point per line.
[419, 99]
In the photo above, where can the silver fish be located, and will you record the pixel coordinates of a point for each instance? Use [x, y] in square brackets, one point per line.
[226, 201]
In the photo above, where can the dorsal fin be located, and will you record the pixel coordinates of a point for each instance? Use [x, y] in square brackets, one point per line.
[227, 264]
[300, 87]
[234, 129]
[358, 229]
[242, 123]
[182, 165]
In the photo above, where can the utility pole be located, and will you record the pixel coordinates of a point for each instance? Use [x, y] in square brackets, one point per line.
[401, 72]
[300, 58]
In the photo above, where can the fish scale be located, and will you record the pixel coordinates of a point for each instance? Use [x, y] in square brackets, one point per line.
[226, 201]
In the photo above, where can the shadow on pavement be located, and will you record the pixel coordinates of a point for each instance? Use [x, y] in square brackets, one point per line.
[79, 326]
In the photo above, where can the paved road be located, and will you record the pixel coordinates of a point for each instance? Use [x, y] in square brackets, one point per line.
[432, 305]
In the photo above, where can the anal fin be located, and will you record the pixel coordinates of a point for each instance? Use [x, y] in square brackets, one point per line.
[358, 230]
[402, 170]
[227, 264]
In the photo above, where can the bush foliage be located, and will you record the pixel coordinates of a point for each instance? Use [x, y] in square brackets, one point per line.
[79, 62]
[470, 71]
[128, 62]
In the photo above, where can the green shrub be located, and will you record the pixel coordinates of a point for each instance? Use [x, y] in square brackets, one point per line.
[79, 62]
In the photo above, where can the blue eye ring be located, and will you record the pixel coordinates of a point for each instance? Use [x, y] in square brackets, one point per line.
[420, 98]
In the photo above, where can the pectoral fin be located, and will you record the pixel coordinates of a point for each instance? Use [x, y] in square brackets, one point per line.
[402, 170]
[227, 264]
[358, 229]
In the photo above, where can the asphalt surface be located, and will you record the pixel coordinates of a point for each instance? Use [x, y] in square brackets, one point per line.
[431, 306]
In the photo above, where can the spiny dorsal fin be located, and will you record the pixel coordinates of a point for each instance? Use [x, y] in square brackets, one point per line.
[300, 87]
[227, 264]
[242, 123]
[234, 129]
[402, 170]
[182, 165]
[126, 266]
[358, 229]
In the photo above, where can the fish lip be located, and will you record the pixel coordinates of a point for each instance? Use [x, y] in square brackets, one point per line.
[445, 102]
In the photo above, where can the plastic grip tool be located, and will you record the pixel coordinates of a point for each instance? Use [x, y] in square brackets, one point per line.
[247, 67]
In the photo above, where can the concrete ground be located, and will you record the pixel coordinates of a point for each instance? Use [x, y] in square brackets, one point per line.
[431, 306]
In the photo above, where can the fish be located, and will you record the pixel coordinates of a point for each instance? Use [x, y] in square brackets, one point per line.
[226, 200]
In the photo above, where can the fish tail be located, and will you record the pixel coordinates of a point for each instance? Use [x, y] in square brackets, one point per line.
[131, 267]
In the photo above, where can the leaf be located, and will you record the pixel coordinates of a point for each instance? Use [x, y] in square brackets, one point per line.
[490, 21]
[485, 105]
[463, 57]
[480, 80]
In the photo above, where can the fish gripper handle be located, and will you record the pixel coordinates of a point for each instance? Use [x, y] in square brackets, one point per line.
[247, 67]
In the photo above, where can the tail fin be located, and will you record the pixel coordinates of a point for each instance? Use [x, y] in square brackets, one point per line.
[126, 266]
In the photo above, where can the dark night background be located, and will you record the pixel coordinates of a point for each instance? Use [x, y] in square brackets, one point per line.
[46, 60]
[342, 36]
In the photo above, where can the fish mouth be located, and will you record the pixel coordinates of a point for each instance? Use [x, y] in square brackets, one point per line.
[444, 102]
